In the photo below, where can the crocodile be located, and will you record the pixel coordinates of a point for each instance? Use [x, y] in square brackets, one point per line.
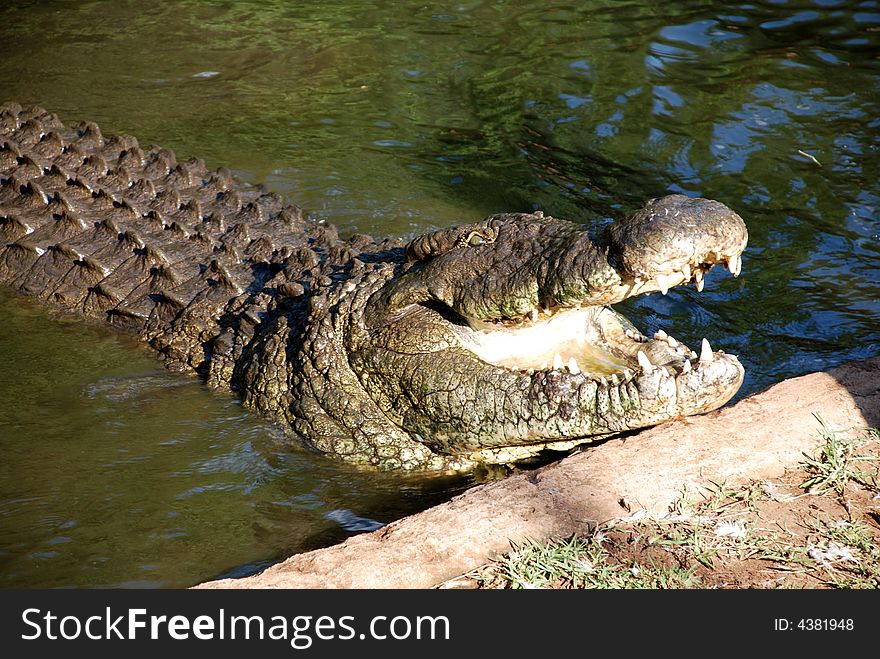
[488, 342]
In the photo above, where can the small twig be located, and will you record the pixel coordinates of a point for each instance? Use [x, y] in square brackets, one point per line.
[807, 155]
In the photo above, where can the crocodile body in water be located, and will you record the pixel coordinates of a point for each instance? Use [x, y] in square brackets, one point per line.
[486, 342]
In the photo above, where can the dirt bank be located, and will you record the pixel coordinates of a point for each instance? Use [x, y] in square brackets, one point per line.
[756, 438]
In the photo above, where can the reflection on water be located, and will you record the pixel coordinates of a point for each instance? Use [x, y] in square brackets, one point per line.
[394, 119]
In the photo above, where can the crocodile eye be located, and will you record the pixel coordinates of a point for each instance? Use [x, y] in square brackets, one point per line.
[475, 240]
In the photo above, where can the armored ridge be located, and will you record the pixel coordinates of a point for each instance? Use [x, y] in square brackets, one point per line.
[484, 342]
[165, 249]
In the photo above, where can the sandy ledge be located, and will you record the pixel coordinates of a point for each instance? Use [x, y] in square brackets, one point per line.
[756, 438]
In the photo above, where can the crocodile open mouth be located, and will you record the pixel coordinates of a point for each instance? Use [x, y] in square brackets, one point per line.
[595, 341]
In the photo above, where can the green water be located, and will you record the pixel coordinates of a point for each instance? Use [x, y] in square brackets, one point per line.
[391, 119]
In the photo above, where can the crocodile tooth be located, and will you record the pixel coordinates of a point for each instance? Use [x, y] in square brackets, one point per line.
[686, 366]
[627, 374]
[663, 283]
[644, 362]
[534, 315]
[734, 264]
[698, 274]
[706, 352]
[686, 271]
[557, 362]
[635, 336]
[660, 334]
[573, 366]
[671, 342]
[615, 381]
[700, 285]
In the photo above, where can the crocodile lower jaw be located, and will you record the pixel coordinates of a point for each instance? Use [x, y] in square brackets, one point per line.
[592, 342]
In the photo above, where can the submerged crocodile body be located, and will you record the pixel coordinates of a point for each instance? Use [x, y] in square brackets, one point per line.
[487, 342]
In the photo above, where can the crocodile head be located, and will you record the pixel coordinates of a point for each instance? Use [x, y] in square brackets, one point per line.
[496, 340]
